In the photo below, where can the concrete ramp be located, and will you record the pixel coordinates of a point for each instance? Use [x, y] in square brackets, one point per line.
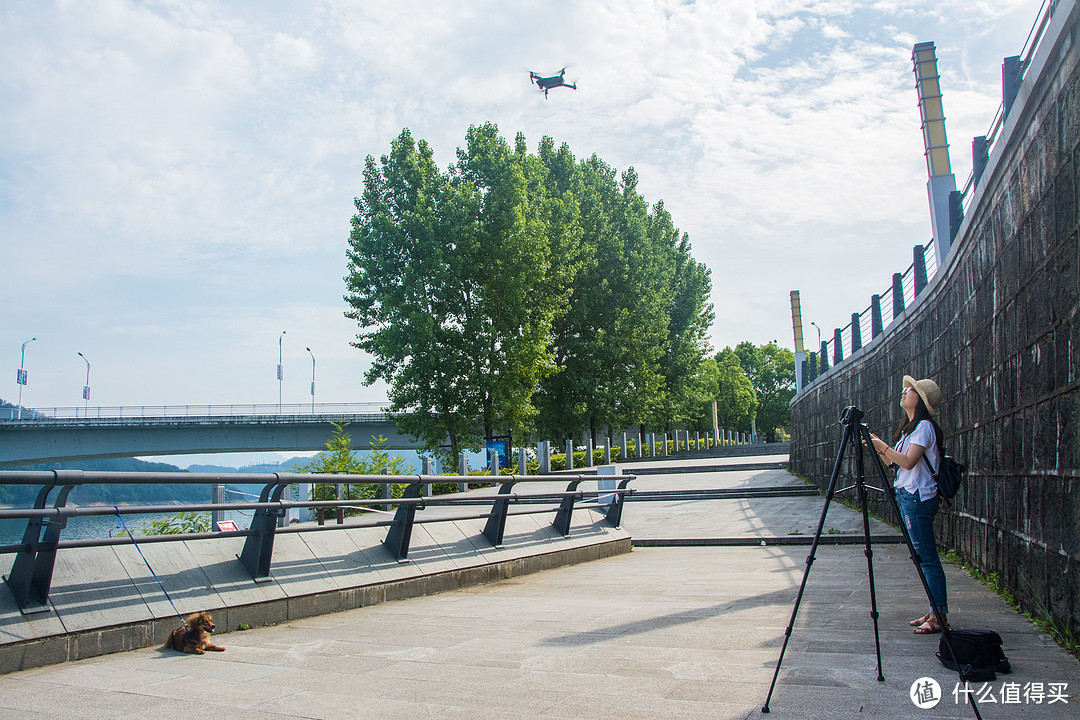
[106, 599]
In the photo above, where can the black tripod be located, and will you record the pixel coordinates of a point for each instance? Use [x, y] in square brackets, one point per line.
[855, 433]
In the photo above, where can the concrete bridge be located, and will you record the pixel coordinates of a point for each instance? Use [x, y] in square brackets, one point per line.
[65, 434]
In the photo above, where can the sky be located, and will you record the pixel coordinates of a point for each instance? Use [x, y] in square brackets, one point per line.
[177, 178]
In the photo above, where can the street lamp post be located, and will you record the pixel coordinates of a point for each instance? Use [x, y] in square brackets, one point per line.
[86, 388]
[312, 379]
[818, 332]
[280, 371]
[22, 374]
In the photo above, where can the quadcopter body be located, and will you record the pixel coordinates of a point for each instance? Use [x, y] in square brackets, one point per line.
[547, 83]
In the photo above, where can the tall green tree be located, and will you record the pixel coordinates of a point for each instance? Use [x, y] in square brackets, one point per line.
[771, 370]
[736, 404]
[690, 314]
[452, 283]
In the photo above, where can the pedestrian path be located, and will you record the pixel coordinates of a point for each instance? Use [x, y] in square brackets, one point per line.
[661, 632]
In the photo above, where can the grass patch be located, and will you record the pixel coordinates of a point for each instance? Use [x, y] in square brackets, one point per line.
[1039, 617]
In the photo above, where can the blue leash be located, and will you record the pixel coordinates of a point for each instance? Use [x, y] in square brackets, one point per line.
[121, 524]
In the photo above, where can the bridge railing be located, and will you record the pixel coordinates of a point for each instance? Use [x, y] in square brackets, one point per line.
[30, 578]
[181, 411]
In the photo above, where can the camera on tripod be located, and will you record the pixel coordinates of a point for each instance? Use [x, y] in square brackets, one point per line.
[850, 415]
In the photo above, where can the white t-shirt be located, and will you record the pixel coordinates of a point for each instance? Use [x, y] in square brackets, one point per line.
[919, 479]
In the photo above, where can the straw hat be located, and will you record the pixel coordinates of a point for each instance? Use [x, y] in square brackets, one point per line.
[928, 390]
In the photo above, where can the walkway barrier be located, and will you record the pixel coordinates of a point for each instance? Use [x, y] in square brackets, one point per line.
[30, 578]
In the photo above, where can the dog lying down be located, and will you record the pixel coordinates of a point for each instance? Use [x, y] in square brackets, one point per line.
[195, 638]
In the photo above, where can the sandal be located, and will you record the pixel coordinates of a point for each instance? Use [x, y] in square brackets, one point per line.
[930, 627]
[919, 621]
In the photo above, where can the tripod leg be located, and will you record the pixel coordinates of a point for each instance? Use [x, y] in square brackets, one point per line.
[869, 552]
[917, 561]
[831, 490]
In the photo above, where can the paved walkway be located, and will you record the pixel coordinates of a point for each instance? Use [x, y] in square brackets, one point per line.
[662, 632]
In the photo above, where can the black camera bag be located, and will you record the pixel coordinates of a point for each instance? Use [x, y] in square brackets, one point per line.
[978, 651]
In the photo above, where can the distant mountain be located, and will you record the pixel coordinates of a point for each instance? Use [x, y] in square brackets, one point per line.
[284, 466]
[110, 494]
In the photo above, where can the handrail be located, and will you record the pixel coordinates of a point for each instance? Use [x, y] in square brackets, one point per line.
[31, 573]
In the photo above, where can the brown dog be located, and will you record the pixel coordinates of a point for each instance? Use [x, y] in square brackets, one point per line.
[195, 638]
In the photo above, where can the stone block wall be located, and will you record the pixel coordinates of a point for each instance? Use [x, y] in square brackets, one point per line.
[998, 329]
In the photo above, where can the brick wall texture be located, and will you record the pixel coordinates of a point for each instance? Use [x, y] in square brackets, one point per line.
[998, 330]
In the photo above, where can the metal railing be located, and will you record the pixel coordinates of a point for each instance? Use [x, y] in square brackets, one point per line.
[128, 412]
[883, 310]
[30, 577]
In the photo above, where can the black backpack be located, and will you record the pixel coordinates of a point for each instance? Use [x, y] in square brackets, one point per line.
[950, 474]
[979, 653]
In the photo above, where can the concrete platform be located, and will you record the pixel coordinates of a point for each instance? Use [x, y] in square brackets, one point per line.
[106, 600]
[682, 632]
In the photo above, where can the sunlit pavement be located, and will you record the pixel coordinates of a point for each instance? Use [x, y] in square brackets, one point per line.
[672, 632]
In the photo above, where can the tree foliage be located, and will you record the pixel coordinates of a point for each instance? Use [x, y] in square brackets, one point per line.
[770, 372]
[518, 291]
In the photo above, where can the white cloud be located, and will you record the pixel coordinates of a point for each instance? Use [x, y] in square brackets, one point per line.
[177, 177]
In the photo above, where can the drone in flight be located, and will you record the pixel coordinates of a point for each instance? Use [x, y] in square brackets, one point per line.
[547, 83]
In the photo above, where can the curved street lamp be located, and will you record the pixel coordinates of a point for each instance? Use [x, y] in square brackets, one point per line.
[818, 333]
[312, 379]
[86, 388]
[22, 374]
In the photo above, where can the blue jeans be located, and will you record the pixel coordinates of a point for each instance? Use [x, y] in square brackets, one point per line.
[918, 516]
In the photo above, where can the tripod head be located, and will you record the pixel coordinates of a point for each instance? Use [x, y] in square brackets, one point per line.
[851, 415]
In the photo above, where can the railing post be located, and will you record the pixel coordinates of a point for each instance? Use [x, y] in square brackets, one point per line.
[429, 471]
[980, 156]
[837, 347]
[920, 269]
[856, 332]
[823, 357]
[812, 368]
[876, 326]
[897, 295]
[566, 509]
[496, 524]
[400, 533]
[614, 513]
[259, 548]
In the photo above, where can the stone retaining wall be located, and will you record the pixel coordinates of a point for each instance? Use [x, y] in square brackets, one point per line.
[998, 330]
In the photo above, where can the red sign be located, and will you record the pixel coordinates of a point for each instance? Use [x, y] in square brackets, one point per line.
[227, 526]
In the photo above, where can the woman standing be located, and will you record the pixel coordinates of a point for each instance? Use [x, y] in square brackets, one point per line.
[916, 450]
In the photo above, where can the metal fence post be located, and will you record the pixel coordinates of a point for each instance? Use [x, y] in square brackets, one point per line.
[920, 269]
[897, 295]
[429, 470]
